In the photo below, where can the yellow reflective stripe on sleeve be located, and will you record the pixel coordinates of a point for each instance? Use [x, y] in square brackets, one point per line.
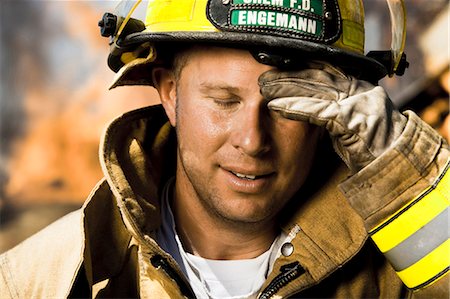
[409, 222]
[416, 240]
[429, 269]
[414, 215]
[421, 243]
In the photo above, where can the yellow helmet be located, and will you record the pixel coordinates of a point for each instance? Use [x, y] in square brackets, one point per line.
[277, 32]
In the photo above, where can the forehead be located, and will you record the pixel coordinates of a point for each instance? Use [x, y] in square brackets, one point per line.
[209, 64]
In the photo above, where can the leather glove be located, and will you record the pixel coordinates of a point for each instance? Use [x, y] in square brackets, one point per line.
[359, 116]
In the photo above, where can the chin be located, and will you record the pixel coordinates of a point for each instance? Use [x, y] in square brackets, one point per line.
[244, 214]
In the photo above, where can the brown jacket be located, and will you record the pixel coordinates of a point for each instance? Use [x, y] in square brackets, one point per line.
[107, 248]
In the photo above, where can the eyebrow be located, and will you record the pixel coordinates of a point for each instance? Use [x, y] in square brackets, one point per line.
[208, 87]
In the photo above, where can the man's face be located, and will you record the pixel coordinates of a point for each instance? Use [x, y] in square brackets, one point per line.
[236, 159]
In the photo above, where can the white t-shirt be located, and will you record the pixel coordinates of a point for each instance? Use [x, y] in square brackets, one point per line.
[215, 278]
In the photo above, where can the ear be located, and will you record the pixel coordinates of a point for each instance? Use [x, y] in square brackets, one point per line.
[165, 83]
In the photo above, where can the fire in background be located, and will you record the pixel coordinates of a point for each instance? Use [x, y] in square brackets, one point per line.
[55, 102]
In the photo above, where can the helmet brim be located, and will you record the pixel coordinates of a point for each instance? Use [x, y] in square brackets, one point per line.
[358, 65]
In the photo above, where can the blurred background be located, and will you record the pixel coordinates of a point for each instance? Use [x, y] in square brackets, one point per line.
[55, 102]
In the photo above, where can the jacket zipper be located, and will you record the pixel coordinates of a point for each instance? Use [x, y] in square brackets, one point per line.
[160, 262]
[288, 273]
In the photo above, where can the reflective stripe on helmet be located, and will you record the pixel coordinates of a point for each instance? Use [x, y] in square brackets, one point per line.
[352, 38]
[416, 240]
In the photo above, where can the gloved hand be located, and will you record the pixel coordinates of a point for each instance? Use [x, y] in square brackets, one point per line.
[359, 116]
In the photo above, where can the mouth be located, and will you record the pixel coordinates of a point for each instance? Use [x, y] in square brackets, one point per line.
[248, 180]
[244, 176]
[250, 177]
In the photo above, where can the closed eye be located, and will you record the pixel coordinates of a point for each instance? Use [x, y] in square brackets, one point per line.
[225, 102]
[222, 95]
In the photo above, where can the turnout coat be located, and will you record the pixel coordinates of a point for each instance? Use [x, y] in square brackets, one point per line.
[107, 248]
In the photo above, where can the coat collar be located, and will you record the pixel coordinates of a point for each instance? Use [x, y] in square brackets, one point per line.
[328, 232]
[137, 157]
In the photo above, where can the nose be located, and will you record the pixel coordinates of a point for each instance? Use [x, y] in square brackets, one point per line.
[250, 133]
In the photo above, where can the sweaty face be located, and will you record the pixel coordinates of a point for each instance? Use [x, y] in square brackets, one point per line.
[236, 160]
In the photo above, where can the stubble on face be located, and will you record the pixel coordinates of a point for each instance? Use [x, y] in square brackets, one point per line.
[206, 191]
[210, 199]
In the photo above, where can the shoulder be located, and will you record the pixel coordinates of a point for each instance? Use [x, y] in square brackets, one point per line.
[45, 264]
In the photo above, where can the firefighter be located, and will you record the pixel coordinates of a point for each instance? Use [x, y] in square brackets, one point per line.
[275, 167]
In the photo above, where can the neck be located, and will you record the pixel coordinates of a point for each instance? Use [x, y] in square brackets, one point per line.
[210, 236]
